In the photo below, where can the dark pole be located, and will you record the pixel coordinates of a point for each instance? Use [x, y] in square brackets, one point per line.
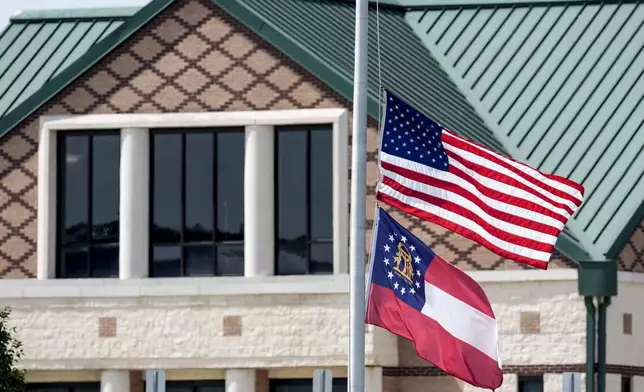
[601, 344]
[590, 344]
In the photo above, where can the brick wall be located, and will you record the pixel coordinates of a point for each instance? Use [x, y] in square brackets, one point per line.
[631, 258]
[193, 57]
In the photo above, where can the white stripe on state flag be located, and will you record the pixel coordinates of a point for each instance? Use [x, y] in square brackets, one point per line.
[464, 222]
[529, 198]
[461, 320]
[526, 169]
[468, 204]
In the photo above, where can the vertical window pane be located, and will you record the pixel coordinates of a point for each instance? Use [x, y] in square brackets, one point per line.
[76, 190]
[105, 188]
[199, 187]
[339, 385]
[167, 188]
[105, 261]
[199, 260]
[230, 186]
[292, 202]
[166, 261]
[322, 258]
[74, 264]
[321, 178]
[230, 260]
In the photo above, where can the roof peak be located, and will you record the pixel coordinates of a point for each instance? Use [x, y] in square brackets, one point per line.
[74, 13]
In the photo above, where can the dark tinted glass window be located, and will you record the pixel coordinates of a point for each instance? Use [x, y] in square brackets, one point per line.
[64, 387]
[195, 386]
[88, 205]
[304, 385]
[530, 384]
[197, 199]
[304, 200]
[627, 384]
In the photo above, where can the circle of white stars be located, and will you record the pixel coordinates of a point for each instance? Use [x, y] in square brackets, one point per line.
[413, 136]
[404, 287]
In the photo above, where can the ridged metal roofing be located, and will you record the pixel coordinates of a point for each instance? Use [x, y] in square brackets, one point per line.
[38, 45]
[561, 85]
[406, 66]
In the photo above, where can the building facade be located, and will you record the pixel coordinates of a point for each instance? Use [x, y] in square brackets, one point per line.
[175, 189]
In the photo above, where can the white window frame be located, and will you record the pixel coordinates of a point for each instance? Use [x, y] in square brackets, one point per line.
[259, 216]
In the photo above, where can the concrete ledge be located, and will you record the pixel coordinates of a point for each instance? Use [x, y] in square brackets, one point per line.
[189, 120]
[172, 287]
[215, 286]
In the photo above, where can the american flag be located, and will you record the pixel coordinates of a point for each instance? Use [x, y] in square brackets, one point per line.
[434, 174]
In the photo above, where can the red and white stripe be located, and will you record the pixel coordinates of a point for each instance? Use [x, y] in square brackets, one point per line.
[510, 208]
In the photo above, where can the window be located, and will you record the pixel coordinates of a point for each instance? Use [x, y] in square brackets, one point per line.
[627, 383]
[64, 387]
[304, 385]
[88, 205]
[304, 200]
[195, 386]
[530, 384]
[197, 206]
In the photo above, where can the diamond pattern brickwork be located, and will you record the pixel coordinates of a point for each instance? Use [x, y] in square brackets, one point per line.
[631, 258]
[193, 57]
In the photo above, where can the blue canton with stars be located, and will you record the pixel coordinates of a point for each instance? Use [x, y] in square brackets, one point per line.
[399, 261]
[409, 134]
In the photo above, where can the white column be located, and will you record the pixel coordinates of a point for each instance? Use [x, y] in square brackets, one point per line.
[614, 382]
[373, 379]
[259, 206]
[240, 380]
[341, 195]
[552, 382]
[46, 245]
[134, 206]
[115, 381]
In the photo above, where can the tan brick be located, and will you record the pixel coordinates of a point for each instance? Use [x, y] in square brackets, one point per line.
[530, 322]
[232, 325]
[107, 327]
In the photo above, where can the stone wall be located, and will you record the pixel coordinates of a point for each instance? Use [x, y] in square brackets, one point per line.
[88, 328]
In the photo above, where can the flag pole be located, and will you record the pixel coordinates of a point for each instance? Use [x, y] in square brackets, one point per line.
[358, 204]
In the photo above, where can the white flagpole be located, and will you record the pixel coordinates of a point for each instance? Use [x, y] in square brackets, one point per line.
[358, 205]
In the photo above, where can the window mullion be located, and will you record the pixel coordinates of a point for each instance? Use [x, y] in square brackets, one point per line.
[215, 190]
[90, 195]
[308, 200]
[182, 240]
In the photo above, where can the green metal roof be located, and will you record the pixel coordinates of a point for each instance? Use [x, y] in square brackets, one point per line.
[38, 45]
[561, 87]
[423, 81]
